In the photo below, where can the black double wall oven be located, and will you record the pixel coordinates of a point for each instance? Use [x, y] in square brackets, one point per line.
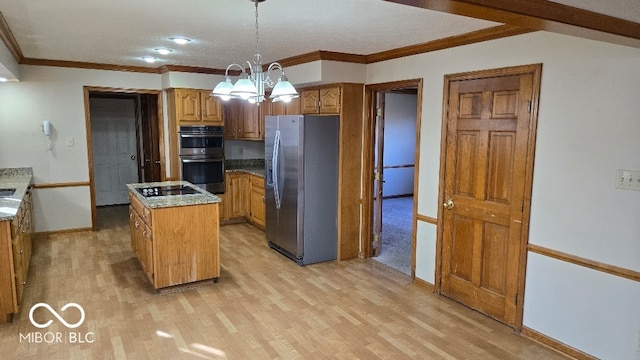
[202, 157]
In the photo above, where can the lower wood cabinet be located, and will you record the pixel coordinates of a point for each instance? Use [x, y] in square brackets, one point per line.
[256, 201]
[243, 199]
[175, 245]
[15, 258]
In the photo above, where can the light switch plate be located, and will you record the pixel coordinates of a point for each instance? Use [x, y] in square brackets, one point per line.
[628, 179]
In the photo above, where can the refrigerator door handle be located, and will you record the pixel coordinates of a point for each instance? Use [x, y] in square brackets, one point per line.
[276, 168]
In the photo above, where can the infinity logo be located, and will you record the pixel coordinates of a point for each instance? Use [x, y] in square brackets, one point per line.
[48, 307]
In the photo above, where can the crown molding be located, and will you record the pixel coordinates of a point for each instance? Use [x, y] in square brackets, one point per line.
[9, 40]
[195, 69]
[88, 65]
[492, 33]
[540, 15]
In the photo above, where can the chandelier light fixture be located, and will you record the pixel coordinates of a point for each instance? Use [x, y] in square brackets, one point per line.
[253, 81]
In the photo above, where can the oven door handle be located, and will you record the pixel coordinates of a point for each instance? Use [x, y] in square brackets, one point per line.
[201, 160]
[199, 135]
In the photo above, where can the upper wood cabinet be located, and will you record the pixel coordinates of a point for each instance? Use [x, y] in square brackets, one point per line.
[284, 108]
[197, 107]
[243, 121]
[321, 101]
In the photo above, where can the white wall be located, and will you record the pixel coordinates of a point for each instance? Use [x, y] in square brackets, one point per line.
[56, 95]
[399, 143]
[9, 67]
[587, 128]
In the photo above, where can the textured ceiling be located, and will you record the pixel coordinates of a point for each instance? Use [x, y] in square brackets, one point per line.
[120, 32]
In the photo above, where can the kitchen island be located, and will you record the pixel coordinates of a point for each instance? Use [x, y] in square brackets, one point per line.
[175, 232]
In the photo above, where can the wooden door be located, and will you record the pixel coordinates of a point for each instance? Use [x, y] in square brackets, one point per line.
[485, 179]
[378, 179]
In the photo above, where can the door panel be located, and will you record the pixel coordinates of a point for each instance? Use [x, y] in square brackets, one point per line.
[486, 150]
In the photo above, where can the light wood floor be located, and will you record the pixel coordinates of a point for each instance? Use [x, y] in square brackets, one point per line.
[264, 306]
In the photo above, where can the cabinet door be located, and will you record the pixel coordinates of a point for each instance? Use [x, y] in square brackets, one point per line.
[188, 103]
[211, 109]
[236, 190]
[233, 114]
[257, 205]
[251, 128]
[147, 249]
[330, 100]
[309, 101]
[223, 213]
[286, 108]
[18, 264]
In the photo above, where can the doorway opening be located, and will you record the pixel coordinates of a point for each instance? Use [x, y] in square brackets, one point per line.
[124, 143]
[391, 158]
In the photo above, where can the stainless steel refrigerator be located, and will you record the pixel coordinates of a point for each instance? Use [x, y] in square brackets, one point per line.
[301, 187]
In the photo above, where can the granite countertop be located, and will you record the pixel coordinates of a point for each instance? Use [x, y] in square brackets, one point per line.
[251, 166]
[20, 179]
[203, 197]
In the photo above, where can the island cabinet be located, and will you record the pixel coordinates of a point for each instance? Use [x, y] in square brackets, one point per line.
[15, 257]
[175, 244]
[243, 120]
[196, 107]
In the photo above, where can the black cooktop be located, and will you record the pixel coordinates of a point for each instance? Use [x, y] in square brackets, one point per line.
[167, 190]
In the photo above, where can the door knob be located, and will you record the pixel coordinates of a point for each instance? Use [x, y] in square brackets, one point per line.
[133, 157]
[448, 204]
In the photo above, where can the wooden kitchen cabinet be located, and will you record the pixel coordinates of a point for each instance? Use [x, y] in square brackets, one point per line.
[15, 257]
[141, 235]
[325, 100]
[347, 101]
[243, 121]
[257, 213]
[236, 194]
[175, 245]
[197, 107]
[244, 199]
[283, 108]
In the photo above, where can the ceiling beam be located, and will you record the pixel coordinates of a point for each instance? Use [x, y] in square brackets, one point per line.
[540, 15]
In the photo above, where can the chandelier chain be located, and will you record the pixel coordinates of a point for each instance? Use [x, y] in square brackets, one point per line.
[257, 32]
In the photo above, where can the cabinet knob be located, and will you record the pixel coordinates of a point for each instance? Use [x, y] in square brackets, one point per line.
[23, 283]
[21, 251]
[137, 224]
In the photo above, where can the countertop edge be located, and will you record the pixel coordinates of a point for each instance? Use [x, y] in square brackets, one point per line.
[203, 198]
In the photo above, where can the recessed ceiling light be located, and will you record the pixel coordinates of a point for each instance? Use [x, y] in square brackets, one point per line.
[180, 40]
[3, 79]
[149, 59]
[164, 51]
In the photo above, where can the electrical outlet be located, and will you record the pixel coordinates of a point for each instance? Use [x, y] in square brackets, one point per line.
[628, 180]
